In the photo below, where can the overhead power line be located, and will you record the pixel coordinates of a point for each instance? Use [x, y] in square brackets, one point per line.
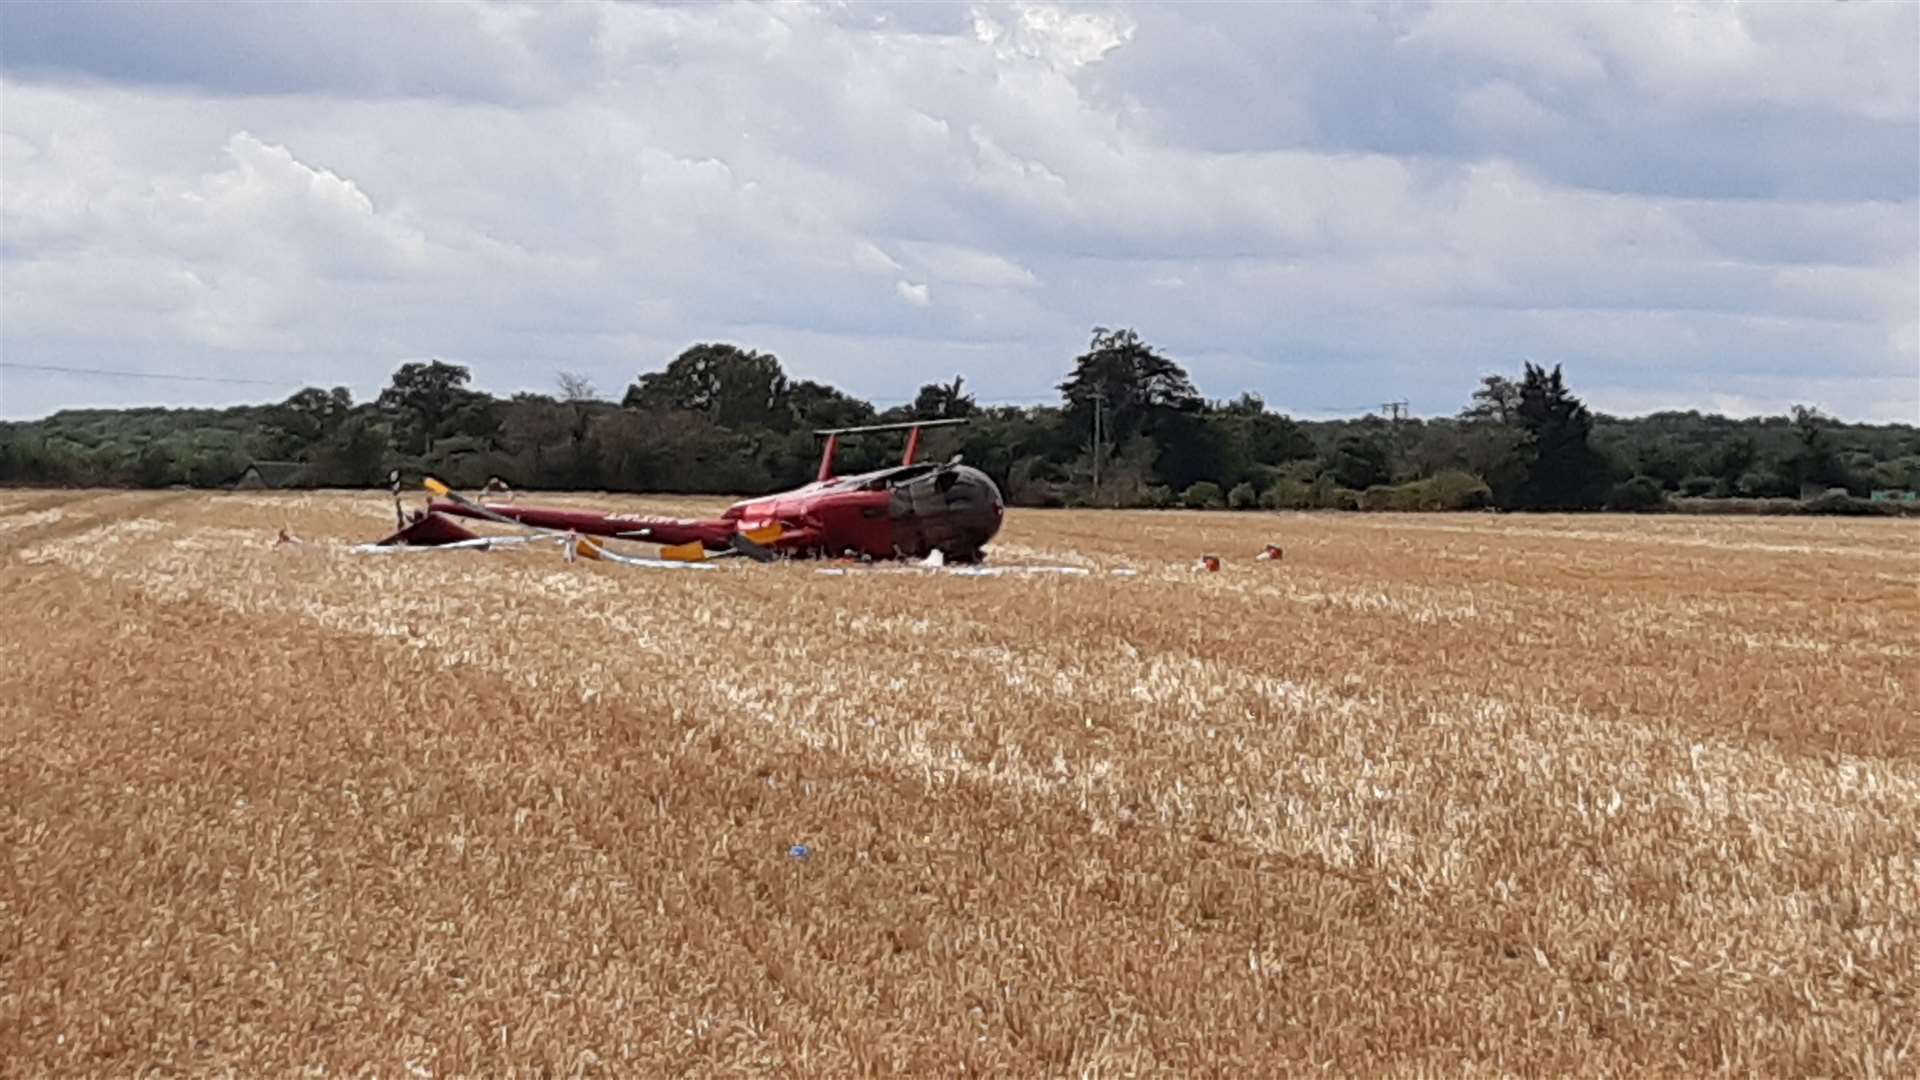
[140, 374]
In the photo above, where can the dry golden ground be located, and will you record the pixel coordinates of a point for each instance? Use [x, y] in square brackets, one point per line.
[1433, 795]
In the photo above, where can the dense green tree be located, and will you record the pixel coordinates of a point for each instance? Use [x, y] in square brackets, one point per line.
[1732, 459]
[1902, 473]
[546, 437]
[1497, 401]
[725, 419]
[308, 418]
[733, 387]
[1563, 471]
[1815, 461]
[155, 467]
[424, 396]
[1132, 387]
[1126, 473]
[356, 455]
[1203, 495]
[1023, 450]
[1255, 441]
[1360, 460]
[1667, 461]
[475, 422]
[1192, 448]
[1637, 494]
[943, 400]
[815, 405]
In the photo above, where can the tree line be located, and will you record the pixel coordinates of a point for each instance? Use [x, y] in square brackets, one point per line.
[1131, 430]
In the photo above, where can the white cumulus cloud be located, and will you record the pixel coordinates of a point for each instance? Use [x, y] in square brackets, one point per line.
[1686, 204]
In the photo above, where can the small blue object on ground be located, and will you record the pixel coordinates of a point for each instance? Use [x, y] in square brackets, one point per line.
[799, 851]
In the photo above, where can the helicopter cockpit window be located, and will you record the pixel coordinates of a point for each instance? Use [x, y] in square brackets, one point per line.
[898, 476]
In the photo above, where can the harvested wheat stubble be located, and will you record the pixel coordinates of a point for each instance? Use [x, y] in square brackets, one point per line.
[1434, 795]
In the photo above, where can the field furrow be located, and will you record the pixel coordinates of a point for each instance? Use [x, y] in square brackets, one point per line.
[1429, 795]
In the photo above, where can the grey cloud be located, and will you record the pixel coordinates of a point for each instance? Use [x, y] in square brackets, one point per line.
[1851, 234]
[301, 47]
[1591, 95]
[1740, 153]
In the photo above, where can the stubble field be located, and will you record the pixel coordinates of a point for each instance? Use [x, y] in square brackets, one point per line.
[1432, 795]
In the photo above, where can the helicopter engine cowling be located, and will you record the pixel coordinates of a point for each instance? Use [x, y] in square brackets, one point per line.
[955, 509]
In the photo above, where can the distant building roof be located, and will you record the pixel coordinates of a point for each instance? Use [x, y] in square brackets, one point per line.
[1812, 490]
[269, 474]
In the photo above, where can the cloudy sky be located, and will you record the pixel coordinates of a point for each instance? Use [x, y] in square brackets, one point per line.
[1707, 206]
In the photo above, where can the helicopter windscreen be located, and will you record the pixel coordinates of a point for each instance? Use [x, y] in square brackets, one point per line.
[894, 477]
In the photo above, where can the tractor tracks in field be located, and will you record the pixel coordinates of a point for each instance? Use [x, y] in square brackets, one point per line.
[1044, 854]
[56, 516]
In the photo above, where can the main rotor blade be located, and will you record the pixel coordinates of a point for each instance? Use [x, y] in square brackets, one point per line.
[691, 551]
[482, 543]
[434, 485]
[480, 510]
[589, 548]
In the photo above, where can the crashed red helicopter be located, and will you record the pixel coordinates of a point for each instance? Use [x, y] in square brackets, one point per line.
[908, 511]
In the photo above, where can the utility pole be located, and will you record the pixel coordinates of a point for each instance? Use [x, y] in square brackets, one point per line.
[1396, 411]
